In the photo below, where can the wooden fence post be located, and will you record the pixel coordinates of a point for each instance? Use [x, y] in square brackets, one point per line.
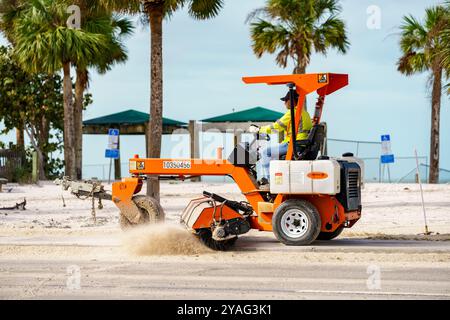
[117, 166]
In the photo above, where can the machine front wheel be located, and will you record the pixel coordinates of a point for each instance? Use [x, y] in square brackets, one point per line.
[331, 235]
[296, 223]
[205, 236]
[151, 212]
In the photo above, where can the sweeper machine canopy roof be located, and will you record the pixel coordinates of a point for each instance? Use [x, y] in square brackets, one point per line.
[324, 83]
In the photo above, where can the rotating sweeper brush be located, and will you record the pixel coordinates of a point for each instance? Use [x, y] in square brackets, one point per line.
[216, 220]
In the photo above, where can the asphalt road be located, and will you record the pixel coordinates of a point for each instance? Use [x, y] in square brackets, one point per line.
[105, 280]
[194, 278]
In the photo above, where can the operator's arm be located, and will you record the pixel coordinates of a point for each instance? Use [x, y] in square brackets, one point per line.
[280, 125]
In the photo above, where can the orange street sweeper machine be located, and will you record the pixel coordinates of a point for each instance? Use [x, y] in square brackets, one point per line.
[311, 195]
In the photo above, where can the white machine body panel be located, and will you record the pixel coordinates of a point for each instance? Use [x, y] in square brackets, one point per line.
[331, 184]
[279, 177]
[305, 177]
[299, 182]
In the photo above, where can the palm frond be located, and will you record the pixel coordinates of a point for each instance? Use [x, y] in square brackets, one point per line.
[44, 42]
[445, 53]
[268, 37]
[327, 7]
[413, 34]
[257, 13]
[413, 62]
[423, 44]
[331, 33]
[123, 6]
[123, 25]
[205, 9]
[297, 28]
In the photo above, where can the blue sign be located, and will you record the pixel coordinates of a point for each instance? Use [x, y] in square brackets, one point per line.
[113, 132]
[112, 153]
[386, 152]
[388, 158]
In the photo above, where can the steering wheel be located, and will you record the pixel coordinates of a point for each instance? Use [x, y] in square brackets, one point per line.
[265, 136]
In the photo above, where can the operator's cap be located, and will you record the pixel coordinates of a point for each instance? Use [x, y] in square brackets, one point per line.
[287, 97]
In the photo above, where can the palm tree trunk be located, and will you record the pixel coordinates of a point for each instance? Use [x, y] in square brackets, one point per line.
[156, 15]
[435, 122]
[43, 136]
[20, 140]
[80, 87]
[300, 69]
[69, 148]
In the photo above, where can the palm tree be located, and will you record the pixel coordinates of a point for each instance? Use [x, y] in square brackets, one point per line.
[115, 28]
[43, 43]
[153, 12]
[295, 28]
[41, 26]
[421, 45]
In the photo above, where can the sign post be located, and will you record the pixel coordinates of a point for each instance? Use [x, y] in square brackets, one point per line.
[387, 156]
[112, 152]
[421, 193]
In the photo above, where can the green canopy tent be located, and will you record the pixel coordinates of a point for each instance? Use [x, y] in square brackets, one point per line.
[253, 115]
[130, 122]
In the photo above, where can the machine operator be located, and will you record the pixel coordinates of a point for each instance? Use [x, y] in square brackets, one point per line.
[281, 125]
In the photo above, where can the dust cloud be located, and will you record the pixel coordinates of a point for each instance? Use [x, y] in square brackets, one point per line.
[162, 239]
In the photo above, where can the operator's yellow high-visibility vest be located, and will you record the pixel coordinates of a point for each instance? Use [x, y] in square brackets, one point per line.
[284, 125]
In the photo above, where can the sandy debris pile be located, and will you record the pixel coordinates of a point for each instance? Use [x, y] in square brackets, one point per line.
[162, 239]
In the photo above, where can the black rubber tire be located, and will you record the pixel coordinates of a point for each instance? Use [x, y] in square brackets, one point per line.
[205, 236]
[151, 212]
[331, 235]
[314, 222]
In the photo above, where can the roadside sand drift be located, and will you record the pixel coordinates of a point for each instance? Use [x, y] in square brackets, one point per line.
[162, 239]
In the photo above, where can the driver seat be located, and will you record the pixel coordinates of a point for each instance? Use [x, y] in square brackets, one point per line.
[309, 148]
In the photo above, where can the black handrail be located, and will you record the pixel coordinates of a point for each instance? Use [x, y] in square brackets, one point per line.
[293, 131]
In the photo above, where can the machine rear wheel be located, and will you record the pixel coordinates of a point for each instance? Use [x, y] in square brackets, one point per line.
[151, 212]
[331, 235]
[205, 236]
[296, 223]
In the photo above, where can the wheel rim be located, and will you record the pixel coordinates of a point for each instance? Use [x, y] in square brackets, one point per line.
[294, 223]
